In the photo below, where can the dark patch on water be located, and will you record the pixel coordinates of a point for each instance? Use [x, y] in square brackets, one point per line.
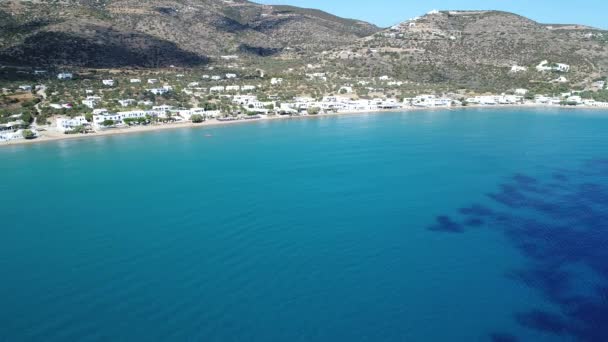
[445, 224]
[560, 224]
[501, 337]
[543, 321]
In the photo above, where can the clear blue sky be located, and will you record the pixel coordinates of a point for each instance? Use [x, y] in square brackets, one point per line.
[389, 12]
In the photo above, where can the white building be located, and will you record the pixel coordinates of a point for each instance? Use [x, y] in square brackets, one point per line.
[247, 87]
[216, 78]
[230, 76]
[152, 81]
[521, 91]
[126, 102]
[430, 101]
[68, 124]
[517, 68]
[109, 83]
[276, 81]
[244, 99]
[135, 80]
[544, 66]
[25, 87]
[158, 91]
[233, 88]
[65, 76]
[117, 118]
[91, 101]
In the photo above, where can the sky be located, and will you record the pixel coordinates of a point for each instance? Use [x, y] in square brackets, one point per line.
[385, 13]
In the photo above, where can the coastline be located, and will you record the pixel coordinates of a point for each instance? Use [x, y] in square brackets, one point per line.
[50, 136]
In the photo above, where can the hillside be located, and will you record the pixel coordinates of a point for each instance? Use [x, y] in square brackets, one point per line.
[475, 49]
[152, 33]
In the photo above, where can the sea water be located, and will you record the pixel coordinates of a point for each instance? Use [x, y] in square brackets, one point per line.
[448, 225]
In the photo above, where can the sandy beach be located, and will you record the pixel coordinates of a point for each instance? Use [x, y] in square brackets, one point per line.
[52, 135]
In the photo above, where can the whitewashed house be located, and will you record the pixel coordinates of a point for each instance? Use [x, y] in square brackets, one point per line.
[247, 87]
[229, 76]
[521, 91]
[517, 68]
[68, 124]
[152, 81]
[544, 66]
[276, 81]
[233, 88]
[91, 101]
[65, 76]
[430, 101]
[135, 80]
[109, 83]
[158, 91]
[25, 87]
[216, 78]
[126, 102]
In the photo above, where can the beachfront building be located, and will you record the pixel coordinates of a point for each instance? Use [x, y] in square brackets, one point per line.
[68, 124]
[12, 130]
[117, 119]
[429, 101]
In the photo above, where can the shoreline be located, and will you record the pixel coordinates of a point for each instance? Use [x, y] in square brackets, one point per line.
[58, 136]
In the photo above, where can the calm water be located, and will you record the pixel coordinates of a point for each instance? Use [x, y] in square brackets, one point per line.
[464, 225]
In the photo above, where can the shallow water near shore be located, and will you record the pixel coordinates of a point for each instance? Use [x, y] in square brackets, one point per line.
[447, 225]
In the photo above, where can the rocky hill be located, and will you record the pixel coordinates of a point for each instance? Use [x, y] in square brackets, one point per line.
[152, 33]
[476, 48]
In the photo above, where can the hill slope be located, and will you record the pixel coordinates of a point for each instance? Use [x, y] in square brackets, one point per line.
[476, 48]
[151, 33]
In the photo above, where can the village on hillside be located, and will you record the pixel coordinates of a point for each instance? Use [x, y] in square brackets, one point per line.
[38, 102]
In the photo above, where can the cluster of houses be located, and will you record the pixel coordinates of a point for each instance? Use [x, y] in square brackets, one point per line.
[13, 130]
[101, 117]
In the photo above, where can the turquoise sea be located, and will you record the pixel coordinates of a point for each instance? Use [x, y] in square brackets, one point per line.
[461, 225]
